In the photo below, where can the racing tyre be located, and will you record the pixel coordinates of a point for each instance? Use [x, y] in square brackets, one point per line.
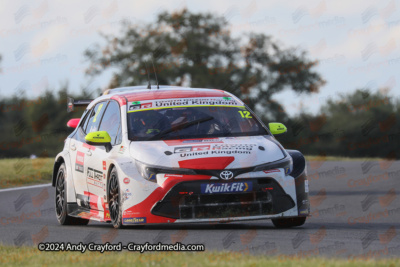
[61, 201]
[289, 222]
[114, 200]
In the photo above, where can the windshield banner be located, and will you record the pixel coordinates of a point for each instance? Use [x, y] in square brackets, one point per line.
[183, 102]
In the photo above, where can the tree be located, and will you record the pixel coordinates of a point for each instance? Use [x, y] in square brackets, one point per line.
[35, 126]
[198, 50]
[360, 124]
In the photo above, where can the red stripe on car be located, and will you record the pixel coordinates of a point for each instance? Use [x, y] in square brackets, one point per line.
[170, 94]
[121, 99]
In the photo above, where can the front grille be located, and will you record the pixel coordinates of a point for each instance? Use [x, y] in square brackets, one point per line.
[225, 205]
[224, 198]
[224, 210]
[265, 198]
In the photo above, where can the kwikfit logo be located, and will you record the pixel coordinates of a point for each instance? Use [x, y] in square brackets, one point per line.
[226, 187]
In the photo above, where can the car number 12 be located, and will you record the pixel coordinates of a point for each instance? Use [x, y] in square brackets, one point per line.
[245, 114]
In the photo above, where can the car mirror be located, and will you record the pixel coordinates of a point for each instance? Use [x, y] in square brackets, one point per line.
[100, 138]
[277, 128]
[73, 123]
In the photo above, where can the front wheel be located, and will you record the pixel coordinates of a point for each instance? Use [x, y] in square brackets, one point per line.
[61, 201]
[288, 222]
[114, 200]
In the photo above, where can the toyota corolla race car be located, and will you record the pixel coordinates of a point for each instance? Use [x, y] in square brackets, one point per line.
[176, 155]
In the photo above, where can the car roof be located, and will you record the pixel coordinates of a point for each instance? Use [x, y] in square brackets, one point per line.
[141, 93]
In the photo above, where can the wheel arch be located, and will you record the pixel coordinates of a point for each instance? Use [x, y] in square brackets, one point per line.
[299, 173]
[109, 170]
[59, 160]
[299, 162]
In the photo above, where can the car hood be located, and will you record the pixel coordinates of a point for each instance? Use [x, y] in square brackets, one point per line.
[211, 153]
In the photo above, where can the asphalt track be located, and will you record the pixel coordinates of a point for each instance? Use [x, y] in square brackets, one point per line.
[355, 214]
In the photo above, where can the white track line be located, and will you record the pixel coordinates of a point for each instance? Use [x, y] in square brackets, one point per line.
[24, 187]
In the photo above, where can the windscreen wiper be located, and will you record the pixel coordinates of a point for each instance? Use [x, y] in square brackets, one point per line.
[180, 127]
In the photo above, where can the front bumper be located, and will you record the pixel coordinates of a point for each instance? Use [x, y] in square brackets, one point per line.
[179, 198]
[260, 197]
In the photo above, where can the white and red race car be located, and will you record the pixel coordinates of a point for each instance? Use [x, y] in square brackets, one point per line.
[176, 155]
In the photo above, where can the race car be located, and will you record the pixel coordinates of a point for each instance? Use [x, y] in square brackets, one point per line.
[143, 156]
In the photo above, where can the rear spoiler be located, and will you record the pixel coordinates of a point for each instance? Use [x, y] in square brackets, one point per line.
[81, 102]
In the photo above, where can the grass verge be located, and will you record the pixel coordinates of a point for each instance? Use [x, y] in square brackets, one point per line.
[16, 256]
[23, 171]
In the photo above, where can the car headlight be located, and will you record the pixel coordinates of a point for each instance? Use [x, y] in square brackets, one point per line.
[149, 172]
[146, 171]
[286, 164]
[289, 168]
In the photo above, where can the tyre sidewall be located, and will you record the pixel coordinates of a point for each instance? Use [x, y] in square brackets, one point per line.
[61, 219]
[118, 222]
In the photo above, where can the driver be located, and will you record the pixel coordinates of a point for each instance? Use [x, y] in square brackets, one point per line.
[149, 123]
[183, 115]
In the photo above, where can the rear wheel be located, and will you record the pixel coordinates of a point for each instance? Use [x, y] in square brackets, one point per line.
[114, 199]
[61, 201]
[288, 222]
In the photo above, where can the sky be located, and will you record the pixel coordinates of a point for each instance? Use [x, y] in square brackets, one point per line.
[356, 42]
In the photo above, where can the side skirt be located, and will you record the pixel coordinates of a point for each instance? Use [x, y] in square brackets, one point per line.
[97, 215]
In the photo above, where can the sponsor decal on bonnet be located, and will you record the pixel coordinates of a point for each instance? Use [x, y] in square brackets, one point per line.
[191, 148]
[186, 151]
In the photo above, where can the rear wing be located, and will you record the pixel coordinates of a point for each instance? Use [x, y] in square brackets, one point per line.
[71, 103]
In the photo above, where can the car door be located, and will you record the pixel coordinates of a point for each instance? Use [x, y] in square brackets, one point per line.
[77, 156]
[81, 151]
[97, 162]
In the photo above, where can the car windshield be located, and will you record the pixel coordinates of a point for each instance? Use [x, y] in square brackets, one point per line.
[183, 122]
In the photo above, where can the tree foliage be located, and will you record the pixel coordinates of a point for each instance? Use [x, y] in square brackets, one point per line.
[199, 50]
[35, 126]
[360, 124]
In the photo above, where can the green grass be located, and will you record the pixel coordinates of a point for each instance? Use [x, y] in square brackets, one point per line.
[24, 171]
[17, 256]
